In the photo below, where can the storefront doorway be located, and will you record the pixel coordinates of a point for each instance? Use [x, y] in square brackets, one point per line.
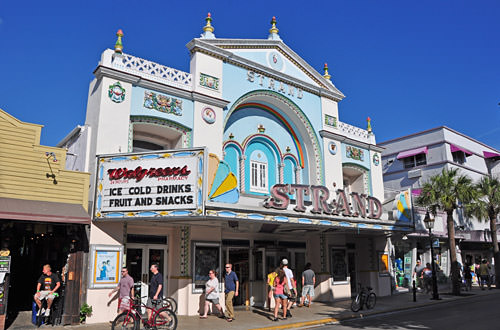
[140, 257]
[239, 257]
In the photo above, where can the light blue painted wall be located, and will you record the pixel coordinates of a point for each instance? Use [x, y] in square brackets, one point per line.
[236, 85]
[366, 163]
[138, 108]
[289, 170]
[231, 157]
[262, 57]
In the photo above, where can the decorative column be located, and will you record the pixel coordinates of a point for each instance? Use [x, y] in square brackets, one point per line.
[297, 174]
[322, 252]
[281, 174]
[242, 173]
[184, 251]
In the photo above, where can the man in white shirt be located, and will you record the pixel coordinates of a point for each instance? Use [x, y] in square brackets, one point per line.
[291, 284]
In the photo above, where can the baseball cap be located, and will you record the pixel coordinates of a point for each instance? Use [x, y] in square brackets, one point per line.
[284, 261]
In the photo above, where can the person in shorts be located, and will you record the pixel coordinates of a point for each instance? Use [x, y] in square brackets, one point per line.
[280, 286]
[212, 294]
[46, 288]
[126, 288]
[308, 282]
[155, 294]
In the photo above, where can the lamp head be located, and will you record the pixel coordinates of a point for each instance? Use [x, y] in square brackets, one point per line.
[428, 221]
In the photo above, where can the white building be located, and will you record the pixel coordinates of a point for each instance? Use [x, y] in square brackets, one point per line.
[409, 161]
[262, 169]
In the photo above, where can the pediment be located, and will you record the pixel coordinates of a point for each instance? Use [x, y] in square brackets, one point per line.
[271, 55]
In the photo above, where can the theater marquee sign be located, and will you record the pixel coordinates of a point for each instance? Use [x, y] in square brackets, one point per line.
[149, 185]
[352, 205]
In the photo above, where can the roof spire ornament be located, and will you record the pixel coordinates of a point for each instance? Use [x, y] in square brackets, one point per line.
[369, 125]
[118, 44]
[273, 31]
[326, 75]
[208, 29]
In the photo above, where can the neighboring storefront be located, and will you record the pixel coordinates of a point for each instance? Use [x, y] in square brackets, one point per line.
[242, 160]
[43, 216]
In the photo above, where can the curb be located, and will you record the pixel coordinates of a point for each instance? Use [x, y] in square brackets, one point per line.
[361, 315]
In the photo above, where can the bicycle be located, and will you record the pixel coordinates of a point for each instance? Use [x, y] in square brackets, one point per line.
[170, 303]
[365, 297]
[161, 318]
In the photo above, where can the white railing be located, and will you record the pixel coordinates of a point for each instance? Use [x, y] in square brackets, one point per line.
[152, 71]
[354, 132]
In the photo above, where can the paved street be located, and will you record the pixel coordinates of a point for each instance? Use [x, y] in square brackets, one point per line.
[393, 312]
[479, 312]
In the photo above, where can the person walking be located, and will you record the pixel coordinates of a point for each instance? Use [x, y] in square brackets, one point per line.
[308, 282]
[155, 293]
[232, 285]
[417, 274]
[468, 277]
[126, 289]
[280, 283]
[484, 274]
[427, 277]
[270, 285]
[212, 294]
[291, 285]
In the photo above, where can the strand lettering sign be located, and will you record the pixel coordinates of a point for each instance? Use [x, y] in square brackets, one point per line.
[359, 205]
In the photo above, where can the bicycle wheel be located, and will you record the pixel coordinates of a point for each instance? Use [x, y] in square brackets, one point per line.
[165, 319]
[370, 302]
[356, 304]
[170, 303]
[125, 321]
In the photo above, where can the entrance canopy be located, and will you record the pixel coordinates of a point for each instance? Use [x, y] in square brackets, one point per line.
[20, 209]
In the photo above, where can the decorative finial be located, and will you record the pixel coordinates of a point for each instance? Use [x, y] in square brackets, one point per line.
[288, 149]
[261, 128]
[231, 136]
[118, 44]
[208, 29]
[369, 125]
[273, 31]
[326, 74]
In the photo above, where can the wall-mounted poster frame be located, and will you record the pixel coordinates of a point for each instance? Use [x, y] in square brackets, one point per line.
[383, 264]
[105, 266]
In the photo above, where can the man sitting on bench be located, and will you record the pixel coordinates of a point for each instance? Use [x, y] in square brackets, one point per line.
[46, 287]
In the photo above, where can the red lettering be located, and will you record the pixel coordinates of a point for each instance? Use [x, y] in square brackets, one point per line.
[140, 173]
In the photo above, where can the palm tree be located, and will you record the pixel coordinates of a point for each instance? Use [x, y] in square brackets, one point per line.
[447, 192]
[488, 207]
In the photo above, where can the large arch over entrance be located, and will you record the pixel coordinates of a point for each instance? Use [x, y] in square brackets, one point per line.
[307, 143]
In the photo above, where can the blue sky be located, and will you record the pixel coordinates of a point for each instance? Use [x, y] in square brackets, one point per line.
[409, 65]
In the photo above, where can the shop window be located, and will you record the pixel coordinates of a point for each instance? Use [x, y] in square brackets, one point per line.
[338, 264]
[416, 160]
[459, 157]
[258, 179]
[206, 256]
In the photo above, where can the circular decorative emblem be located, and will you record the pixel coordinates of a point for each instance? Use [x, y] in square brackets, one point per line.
[376, 159]
[116, 92]
[275, 61]
[208, 115]
[332, 147]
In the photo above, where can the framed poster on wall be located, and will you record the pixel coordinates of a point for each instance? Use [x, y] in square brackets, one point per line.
[383, 264]
[105, 266]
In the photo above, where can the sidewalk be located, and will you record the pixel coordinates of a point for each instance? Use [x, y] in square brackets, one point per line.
[318, 313]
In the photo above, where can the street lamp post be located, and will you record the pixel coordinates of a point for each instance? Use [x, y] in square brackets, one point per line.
[429, 224]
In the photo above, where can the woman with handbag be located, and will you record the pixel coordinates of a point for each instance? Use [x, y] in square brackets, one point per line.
[280, 287]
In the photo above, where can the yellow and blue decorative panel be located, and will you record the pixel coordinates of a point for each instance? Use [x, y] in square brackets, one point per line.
[402, 207]
[222, 183]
